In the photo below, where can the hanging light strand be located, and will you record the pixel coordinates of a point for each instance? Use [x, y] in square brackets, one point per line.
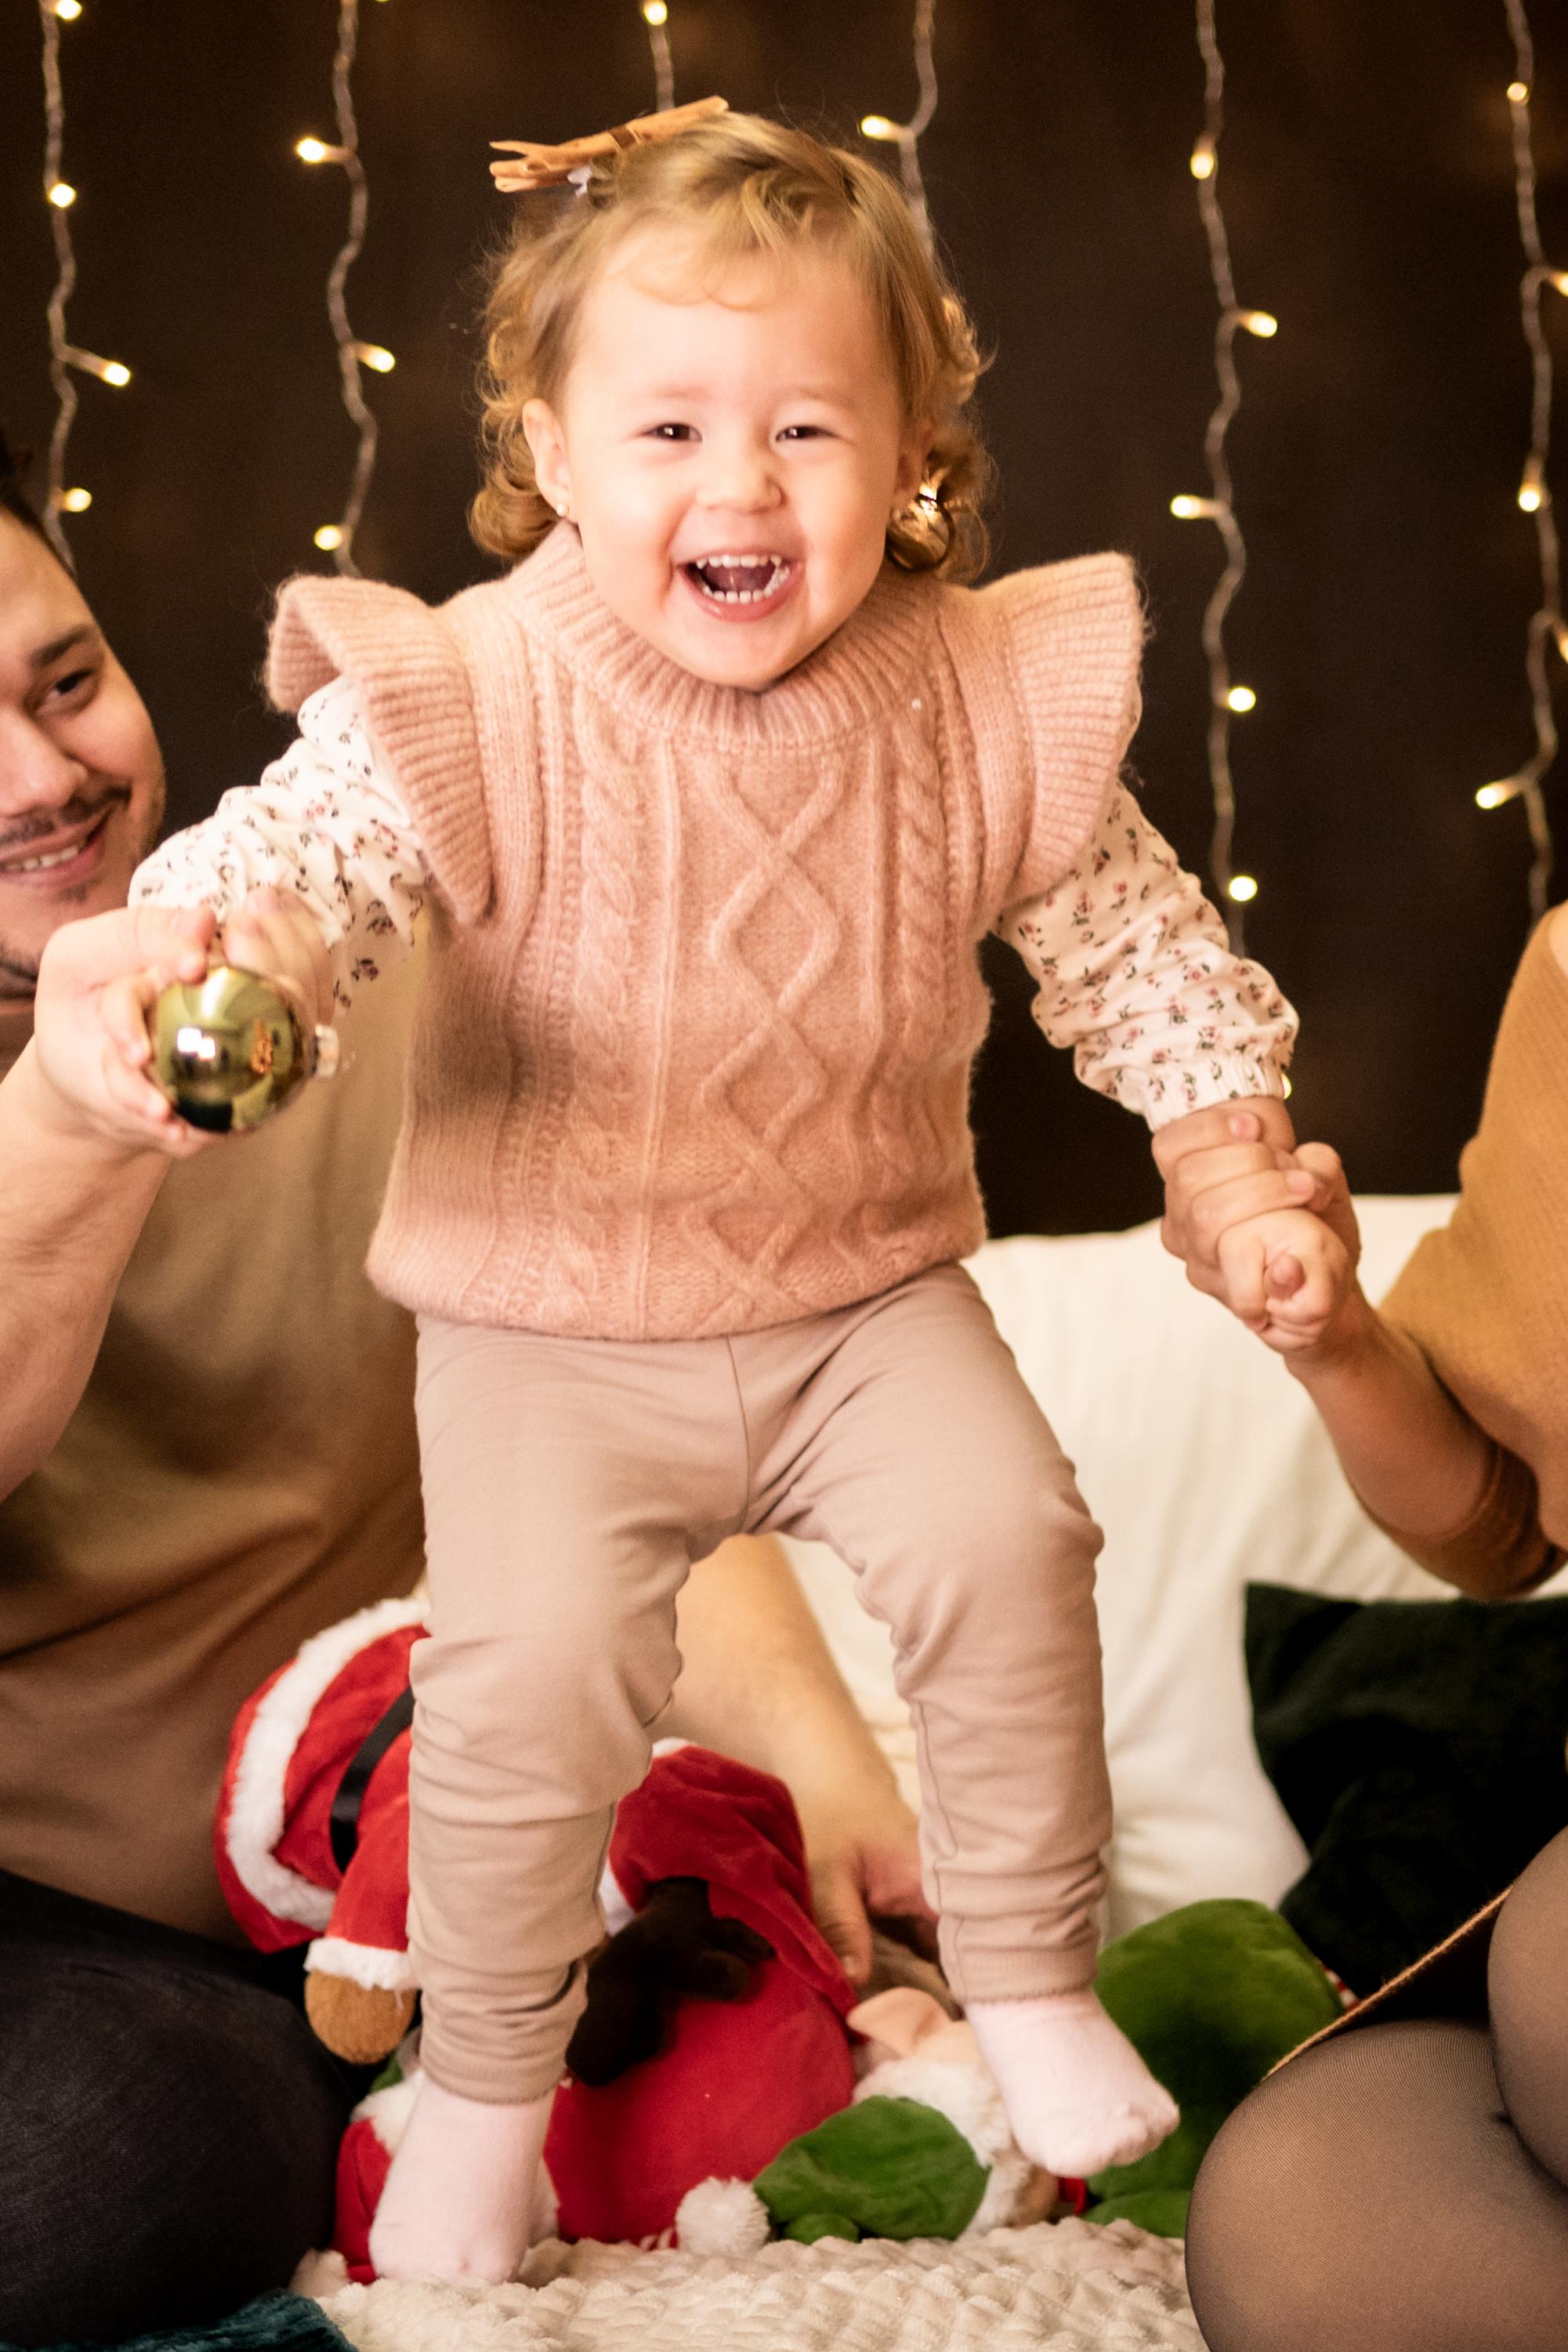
[908, 135]
[337, 538]
[1225, 699]
[66, 358]
[1546, 623]
[656, 16]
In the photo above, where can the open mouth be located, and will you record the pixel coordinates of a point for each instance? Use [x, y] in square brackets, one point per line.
[70, 862]
[736, 582]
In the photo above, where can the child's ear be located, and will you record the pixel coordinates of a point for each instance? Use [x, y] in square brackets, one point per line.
[542, 429]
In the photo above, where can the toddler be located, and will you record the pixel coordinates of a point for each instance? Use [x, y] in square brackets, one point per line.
[708, 804]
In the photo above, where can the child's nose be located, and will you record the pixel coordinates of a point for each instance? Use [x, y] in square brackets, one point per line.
[740, 479]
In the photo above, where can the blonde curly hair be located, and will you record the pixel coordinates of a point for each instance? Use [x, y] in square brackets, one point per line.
[744, 186]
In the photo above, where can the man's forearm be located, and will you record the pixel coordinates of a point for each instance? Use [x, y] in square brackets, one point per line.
[70, 1210]
[757, 1680]
[1418, 1463]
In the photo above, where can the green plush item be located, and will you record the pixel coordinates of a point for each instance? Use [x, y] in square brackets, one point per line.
[884, 2169]
[1418, 1746]
[1211, 1997]
[274, 2322]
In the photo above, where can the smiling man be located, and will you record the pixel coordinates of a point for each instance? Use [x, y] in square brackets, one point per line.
[207, 1453]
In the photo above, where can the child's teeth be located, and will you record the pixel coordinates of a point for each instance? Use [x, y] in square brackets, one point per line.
[710, 569]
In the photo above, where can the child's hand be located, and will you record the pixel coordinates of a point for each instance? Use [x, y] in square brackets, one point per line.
[98, 981]
[271, 933]
[1287, 1275]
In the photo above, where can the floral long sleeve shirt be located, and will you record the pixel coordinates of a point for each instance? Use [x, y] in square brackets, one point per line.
[1133, 968]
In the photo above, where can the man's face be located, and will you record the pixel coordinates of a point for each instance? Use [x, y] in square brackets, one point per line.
[81, 781]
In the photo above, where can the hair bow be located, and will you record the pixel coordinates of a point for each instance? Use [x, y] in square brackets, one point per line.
[539, 166]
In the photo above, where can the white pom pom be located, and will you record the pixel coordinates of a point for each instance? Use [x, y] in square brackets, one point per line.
[722, 2217]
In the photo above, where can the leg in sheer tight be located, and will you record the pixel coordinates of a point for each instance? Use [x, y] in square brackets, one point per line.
[1401, 2189]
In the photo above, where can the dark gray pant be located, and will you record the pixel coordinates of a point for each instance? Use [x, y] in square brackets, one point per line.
[168, 2123]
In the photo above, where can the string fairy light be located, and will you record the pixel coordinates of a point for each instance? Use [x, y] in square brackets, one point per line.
[66, 360]
[656, 16]
[337, 539]
[1534, 494]
[1226, 699]
[908, 135]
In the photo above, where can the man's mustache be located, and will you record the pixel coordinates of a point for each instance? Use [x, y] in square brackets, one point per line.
[82, 808]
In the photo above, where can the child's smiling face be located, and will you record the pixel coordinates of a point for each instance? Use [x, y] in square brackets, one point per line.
[730, 451]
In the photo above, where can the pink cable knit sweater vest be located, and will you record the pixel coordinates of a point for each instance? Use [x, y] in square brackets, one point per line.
[692, 1055]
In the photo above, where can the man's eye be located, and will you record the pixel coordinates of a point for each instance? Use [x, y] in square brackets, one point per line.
[72, 682]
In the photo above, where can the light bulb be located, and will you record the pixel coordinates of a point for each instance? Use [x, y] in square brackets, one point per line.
[375, 355]
[315, 151]
[1558, 277]
[1492, 796]
[68, 11]
[877, 126]
[62, 194]
[655, 11]
[329, 536]
[1518, 91]
[1186, 509]
[75, 501]
[1561, 635]
[113, 372]
[1532, 488]
[1201, 162]
[1261, 323]
[1241, 698]
[1243, 888]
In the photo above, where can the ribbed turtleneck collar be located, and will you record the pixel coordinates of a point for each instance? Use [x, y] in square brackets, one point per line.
[846, 683]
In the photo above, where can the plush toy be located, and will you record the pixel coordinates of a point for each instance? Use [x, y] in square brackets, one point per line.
[311, 1836]
[925, 2151]
[712, 2087]
[1212, 1996]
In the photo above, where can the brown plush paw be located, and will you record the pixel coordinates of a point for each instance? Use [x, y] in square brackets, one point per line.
[359, 2023]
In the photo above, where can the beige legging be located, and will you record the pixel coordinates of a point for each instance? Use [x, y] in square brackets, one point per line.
[569, 1485]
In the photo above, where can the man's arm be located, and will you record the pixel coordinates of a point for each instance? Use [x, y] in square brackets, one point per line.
[73, 1194]
[758, 1684]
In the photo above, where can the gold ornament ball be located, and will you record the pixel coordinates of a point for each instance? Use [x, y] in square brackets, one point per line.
[230, 1051]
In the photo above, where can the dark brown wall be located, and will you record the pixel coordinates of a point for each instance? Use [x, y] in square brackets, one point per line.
[1369, 191]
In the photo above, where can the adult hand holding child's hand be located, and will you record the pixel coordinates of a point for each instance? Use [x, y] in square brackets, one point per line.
[1262, 1224]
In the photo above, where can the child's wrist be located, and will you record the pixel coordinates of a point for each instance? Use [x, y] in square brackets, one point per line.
[1346, 1344]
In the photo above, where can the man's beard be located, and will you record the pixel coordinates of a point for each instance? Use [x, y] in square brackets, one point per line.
[18, 979]
[19, 972]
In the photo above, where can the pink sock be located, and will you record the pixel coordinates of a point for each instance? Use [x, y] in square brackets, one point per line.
[1078, 2096]
[457, 2198]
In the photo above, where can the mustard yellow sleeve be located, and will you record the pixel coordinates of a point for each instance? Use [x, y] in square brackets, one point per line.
[1501, 1548]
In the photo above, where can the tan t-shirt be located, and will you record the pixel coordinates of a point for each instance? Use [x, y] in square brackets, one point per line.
[241, 1471]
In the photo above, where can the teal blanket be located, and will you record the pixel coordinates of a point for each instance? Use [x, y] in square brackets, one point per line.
[274, 2323]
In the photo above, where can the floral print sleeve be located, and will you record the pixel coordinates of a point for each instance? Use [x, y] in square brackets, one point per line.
[327, 822]
[1137, 974]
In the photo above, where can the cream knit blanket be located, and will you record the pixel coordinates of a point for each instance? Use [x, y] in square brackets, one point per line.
[1067, 2285]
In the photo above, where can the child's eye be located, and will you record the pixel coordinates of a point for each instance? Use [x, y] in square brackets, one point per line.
[673, 432]
[804, 433]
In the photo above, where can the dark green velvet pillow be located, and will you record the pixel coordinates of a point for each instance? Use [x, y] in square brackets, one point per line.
[1419, 1746]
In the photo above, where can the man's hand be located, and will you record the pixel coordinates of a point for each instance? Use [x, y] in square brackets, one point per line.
[1265, 1226]
[97, 980]
[862, 1850]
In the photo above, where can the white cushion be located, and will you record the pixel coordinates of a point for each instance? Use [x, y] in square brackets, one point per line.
[1206, 1467]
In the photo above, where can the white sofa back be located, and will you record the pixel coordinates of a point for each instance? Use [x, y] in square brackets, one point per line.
[1206, 1467]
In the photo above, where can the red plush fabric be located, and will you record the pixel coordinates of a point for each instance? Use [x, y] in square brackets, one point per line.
[739, 2080]
[362, 2167]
